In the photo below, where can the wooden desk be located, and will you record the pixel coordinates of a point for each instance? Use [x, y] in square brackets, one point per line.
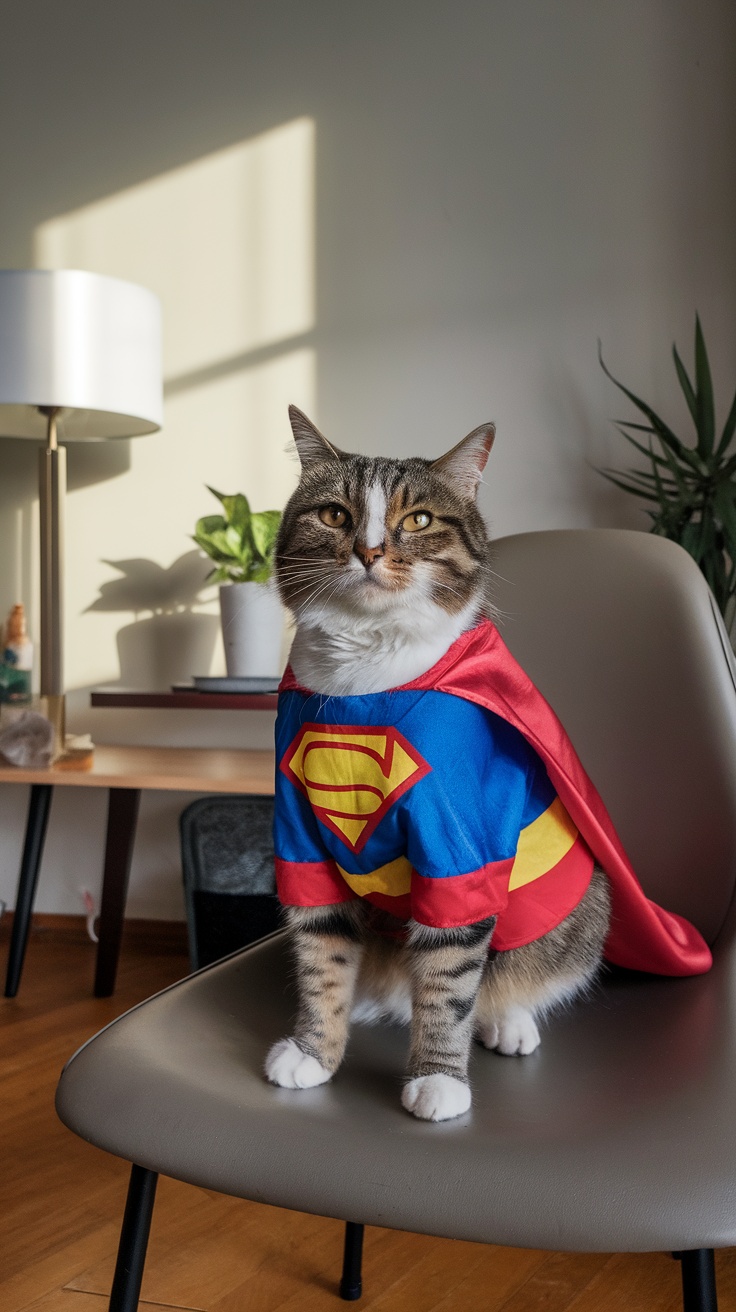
[124, 771]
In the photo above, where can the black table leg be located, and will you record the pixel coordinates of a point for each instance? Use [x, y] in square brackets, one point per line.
[121, 820]
[38, 816]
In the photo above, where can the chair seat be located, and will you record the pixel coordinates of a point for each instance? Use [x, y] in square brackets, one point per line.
[618, 1133]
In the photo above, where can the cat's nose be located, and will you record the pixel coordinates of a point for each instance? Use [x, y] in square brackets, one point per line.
[367, 555]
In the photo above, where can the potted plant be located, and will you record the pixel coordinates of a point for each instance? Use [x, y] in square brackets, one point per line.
[691, 486]
[241, 543]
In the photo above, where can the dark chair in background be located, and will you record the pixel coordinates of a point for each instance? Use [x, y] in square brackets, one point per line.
[229, 884]
[618, 1133]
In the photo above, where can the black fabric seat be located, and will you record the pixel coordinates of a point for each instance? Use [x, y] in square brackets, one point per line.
[617, 1132]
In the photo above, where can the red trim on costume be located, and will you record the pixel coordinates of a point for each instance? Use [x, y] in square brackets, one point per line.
[542, 904]
[396, 906]
[461, 899]
[310, 884]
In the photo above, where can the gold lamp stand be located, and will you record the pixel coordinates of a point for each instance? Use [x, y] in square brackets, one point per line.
[52, 493]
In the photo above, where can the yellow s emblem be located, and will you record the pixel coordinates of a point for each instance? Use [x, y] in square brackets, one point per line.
[352, 775]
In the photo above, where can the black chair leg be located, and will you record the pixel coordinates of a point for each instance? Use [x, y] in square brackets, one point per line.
[698, 1280]
[351, 1284]
[38, 817]
[126, 1285]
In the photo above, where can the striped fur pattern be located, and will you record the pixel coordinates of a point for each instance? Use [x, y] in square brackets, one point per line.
[383, 563]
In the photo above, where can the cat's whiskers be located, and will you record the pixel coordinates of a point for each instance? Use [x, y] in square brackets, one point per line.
[321, 588]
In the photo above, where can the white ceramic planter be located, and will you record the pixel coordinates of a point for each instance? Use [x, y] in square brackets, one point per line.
[252, 629]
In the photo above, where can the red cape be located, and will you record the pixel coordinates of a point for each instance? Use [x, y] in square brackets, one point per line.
[643, 936]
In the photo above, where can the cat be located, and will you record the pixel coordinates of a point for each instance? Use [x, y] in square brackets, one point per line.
[383, 563]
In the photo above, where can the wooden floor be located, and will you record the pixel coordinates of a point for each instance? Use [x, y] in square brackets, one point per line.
[61, 1202]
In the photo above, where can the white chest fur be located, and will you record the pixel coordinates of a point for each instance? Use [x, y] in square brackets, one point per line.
[343, 656]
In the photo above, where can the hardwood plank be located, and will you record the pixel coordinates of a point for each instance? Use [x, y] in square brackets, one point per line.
[250, 1239]
[54, 1270]
[453, 1274]
[156, 935]
[554, 1285]
[639, 1282]
[65, 1300]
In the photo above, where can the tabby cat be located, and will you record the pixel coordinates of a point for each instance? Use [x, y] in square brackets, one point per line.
[383, 563]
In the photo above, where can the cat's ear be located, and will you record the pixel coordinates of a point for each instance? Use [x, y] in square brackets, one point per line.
[310, 443]
[463, 465]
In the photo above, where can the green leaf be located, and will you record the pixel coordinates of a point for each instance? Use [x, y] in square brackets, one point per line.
[629, 423]
[265, 527]
[236, 524]
[645, 450]
[261, 572]
[210, 524]
[665, 434]
[238, 512]
[216, 545]
[723, 502]
[705, 422]
[728, 469]
[675, 471]
[234, 540]
[619, 481]
[686, 386]
[728, 429]
[664, 486]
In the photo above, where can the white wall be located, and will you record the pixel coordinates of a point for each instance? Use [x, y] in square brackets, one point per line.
[489, 187]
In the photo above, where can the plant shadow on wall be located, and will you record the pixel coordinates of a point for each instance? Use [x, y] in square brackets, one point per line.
[168, 640]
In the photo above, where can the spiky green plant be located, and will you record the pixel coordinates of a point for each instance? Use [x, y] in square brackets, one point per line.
[241, 542]
[693, 487]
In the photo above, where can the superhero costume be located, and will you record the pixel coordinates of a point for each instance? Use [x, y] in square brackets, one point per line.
[456, 797]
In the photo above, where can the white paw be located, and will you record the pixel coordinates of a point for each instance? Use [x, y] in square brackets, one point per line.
[514, 1036]
[291, 1068]
[436, 1097]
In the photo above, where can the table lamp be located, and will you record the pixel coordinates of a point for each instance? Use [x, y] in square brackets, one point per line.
[80, 361]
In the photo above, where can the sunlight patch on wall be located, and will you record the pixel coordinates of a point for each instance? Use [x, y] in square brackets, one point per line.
[227, 242]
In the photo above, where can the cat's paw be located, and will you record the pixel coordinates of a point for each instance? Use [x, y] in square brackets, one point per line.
[514, 1036]
[436, 1097]
[289, 1067]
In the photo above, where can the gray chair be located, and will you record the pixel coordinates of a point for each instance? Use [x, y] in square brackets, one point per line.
[618, 1134]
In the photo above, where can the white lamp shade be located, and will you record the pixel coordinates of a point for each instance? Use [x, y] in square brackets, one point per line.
[84, 342]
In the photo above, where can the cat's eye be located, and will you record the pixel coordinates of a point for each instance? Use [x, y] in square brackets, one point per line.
[418, 519]
[333, 516]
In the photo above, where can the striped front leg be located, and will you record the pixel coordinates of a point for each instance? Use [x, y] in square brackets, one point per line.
[328, 946]
[446, 968]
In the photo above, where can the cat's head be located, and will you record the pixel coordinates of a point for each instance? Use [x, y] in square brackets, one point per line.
[370, 536]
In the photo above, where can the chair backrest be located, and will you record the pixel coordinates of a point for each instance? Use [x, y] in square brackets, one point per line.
[620, 632]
